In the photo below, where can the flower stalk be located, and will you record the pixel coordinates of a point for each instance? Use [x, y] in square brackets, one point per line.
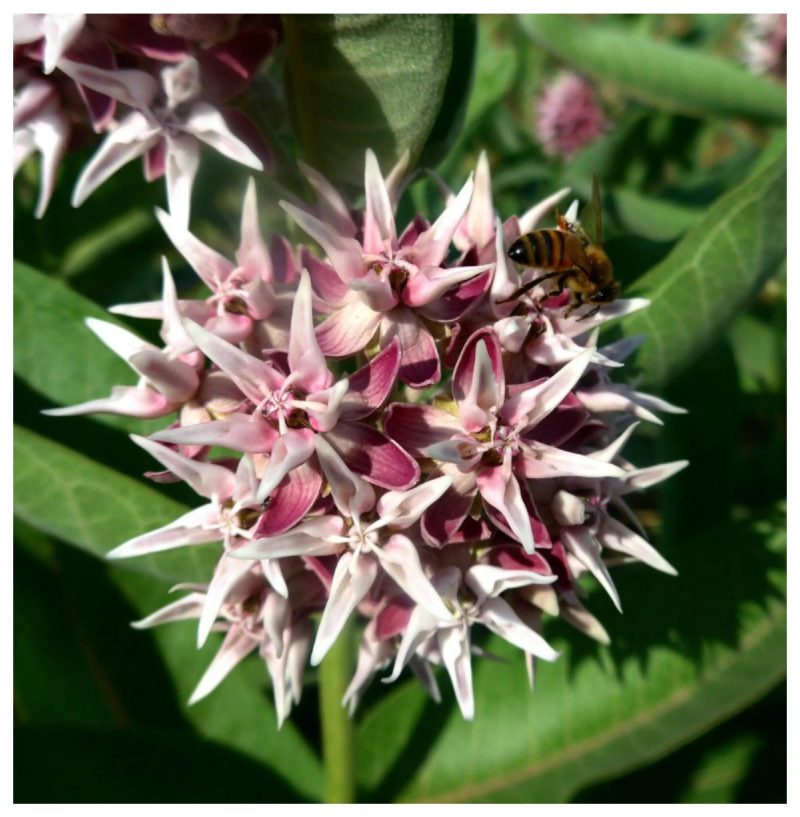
[338, 740]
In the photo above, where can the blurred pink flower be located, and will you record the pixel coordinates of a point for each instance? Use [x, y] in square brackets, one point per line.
[569, 116]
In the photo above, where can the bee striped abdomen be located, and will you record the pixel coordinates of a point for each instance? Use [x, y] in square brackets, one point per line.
[541, 248]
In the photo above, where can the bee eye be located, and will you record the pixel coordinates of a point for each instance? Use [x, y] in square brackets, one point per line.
[517, 252]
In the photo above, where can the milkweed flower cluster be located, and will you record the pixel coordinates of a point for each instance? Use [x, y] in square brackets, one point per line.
[417, 446]
[157, 86]
[569, 116]
[764, 44]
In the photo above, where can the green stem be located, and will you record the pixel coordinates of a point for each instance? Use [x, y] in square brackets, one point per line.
[338, 745]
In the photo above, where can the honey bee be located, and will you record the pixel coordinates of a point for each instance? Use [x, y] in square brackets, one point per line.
[572, 258]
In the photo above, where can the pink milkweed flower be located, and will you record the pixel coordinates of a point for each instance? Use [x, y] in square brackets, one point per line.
[492, 441]
[254, 617]
[764, 44]
[40, 126]
[387, 283]
[243, 296]
[291, 407]
[56, 32]
[167, 131]
[367, 541]
[480, 605]
[568, 116]
[166, 381]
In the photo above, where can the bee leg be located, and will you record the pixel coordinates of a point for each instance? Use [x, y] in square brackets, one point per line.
[527, 287]
[577, 300]
[590, 314]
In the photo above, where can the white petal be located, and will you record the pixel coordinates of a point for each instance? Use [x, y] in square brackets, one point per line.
[488, 580]
[188, 607]
[182, 162]
[581, 544]
[497, 615]
[236, 646]
[454, 644]
[615, 535]
[401, 509]
[532, 217]
[207, 124]
[226, 575]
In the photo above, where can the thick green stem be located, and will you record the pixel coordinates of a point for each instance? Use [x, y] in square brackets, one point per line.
[338, 747]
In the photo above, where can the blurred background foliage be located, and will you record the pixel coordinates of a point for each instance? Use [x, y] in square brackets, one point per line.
[688, 703]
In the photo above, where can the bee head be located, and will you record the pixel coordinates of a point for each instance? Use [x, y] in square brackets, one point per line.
[605, 295]
[518, 251]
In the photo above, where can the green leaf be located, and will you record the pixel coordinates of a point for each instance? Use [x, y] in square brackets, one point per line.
[96, 508]
[696, 291]
[453, 111]
[689, 652]
[665, 75]
[654, 219]
[365, 81]
[52, 345]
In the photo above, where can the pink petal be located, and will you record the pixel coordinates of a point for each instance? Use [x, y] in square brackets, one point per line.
[332, 207]
[431, 248]
[500, 489]
[205, 478]
[344, 252]
[562, 423]
[324, 407]
[443, 518]
[316, 536]
[642, 478]
[401, 509]
[212, 267]
[247, 133]
[249, 373]
[454, 645]
[352, 580]
[229, 67]
[328, 286]
[456, 302]
[348, 330]
[128, 401]
[352, 495]
[416, 427]
[400, 559]
[379, 230]
[241, 432]
[393, 619]
[182, 163]
[134, 33]
[209, 126]
[173, 378]
[497, 615]
[228, 573]
[532, 217]
[539, 461]
[479, 221]
[289, 451]
[252, 253]
[306, 361]
[290, 501]
[188, 607]
[585, 548]
[616, 536]
[155, 162]
[134, 136]
[127, 85]
[197, 527]
[419, 360]
[479, 380]
[372, 383]
[374, 456]
[430, 283]
[238, 644]
[527, 408]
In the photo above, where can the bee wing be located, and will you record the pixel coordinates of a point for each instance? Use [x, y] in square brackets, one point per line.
[592, 215]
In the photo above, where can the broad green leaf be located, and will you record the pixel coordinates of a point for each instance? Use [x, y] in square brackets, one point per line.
[96, 508]
[665, 75]
[452, 113]
[365, 81]
[654, 219]
[69, 764]
[689, 651]
[696, 291]
[52, 346]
